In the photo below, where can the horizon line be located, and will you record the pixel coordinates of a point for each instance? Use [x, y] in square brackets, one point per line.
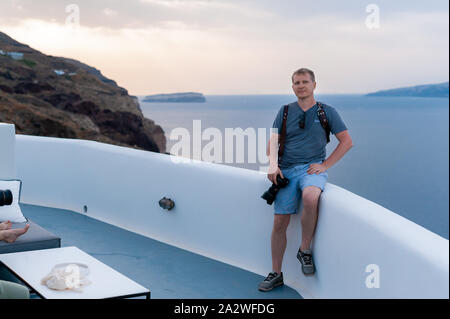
[319, 93]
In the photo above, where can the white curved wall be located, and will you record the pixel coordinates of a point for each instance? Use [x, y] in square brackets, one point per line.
[219, 213]
[7, 144]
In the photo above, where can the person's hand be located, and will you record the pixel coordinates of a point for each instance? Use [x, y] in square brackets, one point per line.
[273, 176]
[316, 168]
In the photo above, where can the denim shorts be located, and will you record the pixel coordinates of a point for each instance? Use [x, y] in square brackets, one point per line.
[287, 199]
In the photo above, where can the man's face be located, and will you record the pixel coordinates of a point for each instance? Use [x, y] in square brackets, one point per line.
[303, 86]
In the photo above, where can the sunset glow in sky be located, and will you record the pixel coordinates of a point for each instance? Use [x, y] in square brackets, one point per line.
[240, 47]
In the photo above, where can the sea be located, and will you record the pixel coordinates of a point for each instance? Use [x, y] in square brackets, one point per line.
[400, 157]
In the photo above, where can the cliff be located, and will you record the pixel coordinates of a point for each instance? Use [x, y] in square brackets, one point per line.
[60, 97]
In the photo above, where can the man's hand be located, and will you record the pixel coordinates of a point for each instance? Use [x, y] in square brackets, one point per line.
[316, 168]
[273, 177]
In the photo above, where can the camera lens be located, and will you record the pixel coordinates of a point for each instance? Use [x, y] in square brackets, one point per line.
[6, 197]
[271, 193]
[269, 196]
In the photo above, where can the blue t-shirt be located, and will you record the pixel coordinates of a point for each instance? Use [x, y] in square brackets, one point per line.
[306, 145]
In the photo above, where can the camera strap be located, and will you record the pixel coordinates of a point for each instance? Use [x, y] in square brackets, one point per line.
[323, 120]
[283, 134]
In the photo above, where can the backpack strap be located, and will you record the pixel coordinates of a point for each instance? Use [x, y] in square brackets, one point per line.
[323, 120]
[283, 134]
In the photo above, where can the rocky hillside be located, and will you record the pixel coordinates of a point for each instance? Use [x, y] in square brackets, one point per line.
[60, 97]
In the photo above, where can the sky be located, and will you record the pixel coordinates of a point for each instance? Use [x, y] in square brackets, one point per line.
[241, 46]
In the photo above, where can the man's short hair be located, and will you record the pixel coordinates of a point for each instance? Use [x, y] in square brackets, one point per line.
[304, 71]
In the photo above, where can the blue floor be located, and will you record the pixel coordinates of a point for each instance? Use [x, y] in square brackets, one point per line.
[167, 271]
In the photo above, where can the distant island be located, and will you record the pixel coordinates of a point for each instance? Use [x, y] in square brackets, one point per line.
[176, 97]
[429, 90]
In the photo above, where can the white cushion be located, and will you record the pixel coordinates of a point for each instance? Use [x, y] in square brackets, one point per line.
[12, 212]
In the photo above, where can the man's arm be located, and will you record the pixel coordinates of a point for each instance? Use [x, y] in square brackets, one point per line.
[272, 153]
[345, 143]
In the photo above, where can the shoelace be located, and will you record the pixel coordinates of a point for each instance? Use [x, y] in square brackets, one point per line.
[270, 276]
[307, 258]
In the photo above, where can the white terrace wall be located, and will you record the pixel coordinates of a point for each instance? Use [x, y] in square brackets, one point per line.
[218, 213]
[7, 151]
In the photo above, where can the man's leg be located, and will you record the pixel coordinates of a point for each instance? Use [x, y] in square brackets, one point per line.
[10, 235]
[279, 240]
[310, 200]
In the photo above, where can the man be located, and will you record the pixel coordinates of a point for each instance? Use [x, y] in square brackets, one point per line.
[303, 163]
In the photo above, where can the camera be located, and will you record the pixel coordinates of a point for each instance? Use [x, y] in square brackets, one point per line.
[6, 197]
[272, 192]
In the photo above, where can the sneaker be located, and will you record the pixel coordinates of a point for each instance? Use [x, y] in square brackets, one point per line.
[305, 258]
[272, 280]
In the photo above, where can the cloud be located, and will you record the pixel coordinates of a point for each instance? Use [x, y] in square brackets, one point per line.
[239, 47]
[137, 14]
[110, 13]
[189, 4]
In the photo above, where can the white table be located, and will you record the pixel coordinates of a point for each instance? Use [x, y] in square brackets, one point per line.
[31, 266]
